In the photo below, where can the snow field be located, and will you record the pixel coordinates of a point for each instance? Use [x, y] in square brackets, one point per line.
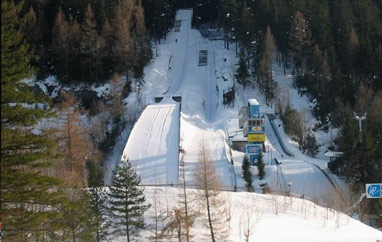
[268, 217]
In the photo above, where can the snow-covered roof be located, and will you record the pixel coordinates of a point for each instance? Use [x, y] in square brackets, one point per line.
[253, 101]
[333, 154]
[239, 137]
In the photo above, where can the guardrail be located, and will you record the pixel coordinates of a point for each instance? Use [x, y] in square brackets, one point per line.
[283, 146]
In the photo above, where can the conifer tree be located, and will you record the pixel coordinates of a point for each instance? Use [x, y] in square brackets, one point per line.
[142, 49]
[242, 74]
[98, 200]
[261, 166]
[74, 51]
[247, 175]
[60, 34]
[77, 219]
[128, 203]
[300, 41]
[30, 28]
[89, 42]
[25, 191]
[268, 85]
[123, 51]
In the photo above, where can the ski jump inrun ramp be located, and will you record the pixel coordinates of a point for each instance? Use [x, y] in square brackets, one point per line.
[153, 145]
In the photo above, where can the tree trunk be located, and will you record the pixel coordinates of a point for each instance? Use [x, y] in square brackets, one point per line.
[209, 217]
[127, 219]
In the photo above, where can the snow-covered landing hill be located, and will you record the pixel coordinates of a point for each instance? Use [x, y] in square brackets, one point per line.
[269, 217]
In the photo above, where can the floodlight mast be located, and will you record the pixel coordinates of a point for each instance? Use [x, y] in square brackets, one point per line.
[360, 119]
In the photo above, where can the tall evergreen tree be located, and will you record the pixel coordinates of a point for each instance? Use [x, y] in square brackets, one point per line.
[60, 34]
[300, 41]
[25, 151]
[123, 51]
[247, 175]
[128, 203]
[242, 74]
[89, 46]
[268, 85]
[98, 200]
[261, 166]
[77, 219]
[142, 50]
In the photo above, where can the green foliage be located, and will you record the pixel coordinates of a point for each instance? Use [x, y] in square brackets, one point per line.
[247, 175]
[261, 166]
[309, 144]
[292, 123]
[24, 154]
[242, 74]
[77, 217]
[98, 200]
[128, 203]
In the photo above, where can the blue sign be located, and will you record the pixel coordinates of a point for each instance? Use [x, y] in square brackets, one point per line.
[374, 190]
[253, 149]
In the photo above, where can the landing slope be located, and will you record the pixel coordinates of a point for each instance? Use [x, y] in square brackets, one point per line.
[153, 145]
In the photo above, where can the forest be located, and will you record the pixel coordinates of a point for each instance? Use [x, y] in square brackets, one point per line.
[334, 49]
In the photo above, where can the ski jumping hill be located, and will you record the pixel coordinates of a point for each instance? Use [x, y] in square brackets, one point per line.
[153, 145]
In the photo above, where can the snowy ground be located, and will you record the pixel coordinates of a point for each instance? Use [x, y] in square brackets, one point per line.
[269, 218]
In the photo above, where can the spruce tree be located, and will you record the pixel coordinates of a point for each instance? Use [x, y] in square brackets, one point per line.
[242, 74]
[25, 191]
[89, 43]
[77, 219]
[261, 166]
[247, 175]
[60, 47]
[300, 41]
[128, 203]
[98, 200]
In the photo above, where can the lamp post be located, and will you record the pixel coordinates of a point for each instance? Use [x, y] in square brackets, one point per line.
[360, 119]
[289, 186]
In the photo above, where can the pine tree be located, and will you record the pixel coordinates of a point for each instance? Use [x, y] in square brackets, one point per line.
[123, 48]
[77, 219]
[60, 34]
[247, 175]
[98, 200]
[142, 47]
[261, 166]
[300, 41]
[31, 29]
[25, 152]
[128, 203]
[268, 85]
[89, 39]
[242, 74]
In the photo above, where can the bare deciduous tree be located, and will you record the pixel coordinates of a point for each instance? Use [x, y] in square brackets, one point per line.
[207, 180]
[250, 217]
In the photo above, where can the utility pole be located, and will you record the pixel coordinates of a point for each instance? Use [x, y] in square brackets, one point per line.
[360, 119]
